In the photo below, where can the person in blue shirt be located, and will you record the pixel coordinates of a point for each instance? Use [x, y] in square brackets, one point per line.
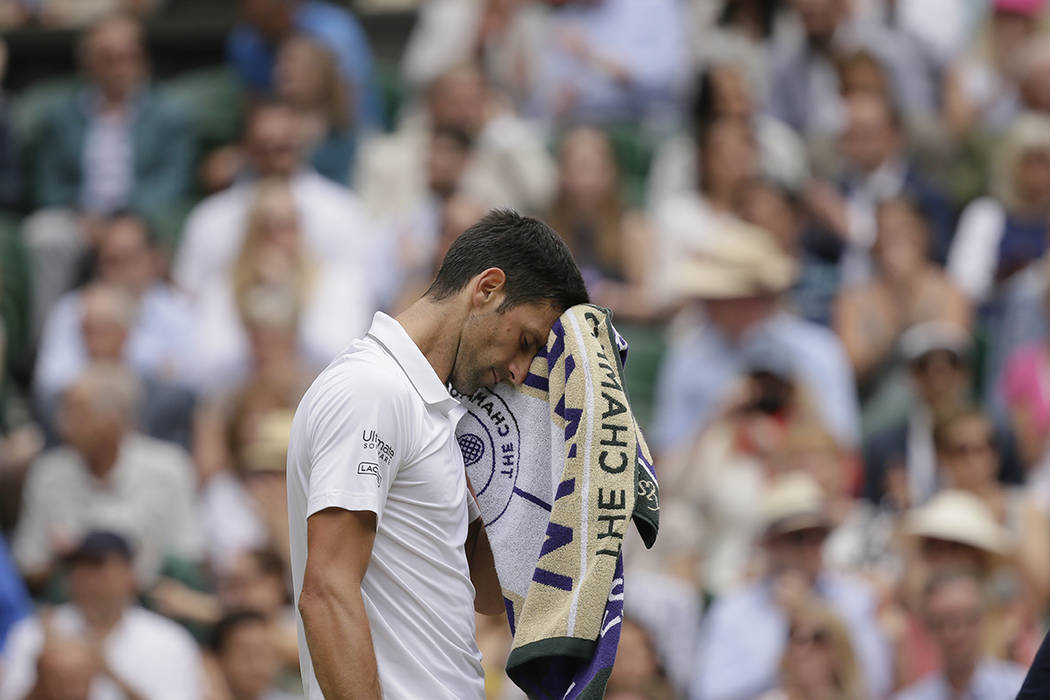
[252, 46]
[14, 602]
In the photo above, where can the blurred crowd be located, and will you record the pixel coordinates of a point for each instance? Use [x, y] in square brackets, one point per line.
[822, 226]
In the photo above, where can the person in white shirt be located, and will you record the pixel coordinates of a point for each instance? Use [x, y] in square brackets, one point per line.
[389, 556]
[142, 655]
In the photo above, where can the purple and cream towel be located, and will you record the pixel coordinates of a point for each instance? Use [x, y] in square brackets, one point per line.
[560, 467]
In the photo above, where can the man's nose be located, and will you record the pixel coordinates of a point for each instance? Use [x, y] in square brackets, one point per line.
[518, 369]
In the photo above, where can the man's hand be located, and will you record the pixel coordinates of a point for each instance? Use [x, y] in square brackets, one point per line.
[339, 546]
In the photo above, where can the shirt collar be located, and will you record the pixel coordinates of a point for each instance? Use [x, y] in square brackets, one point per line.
[390, 334]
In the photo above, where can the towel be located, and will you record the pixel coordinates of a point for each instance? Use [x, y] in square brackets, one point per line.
[559, 466]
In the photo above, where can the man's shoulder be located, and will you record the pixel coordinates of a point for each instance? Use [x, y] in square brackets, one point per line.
[364, 372]
[152, 633]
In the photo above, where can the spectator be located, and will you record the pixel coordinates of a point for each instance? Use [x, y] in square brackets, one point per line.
[247, 657]
[112, 145]
[685, 221]
[333, 298]
[140, 654]
[607, 60]
[804, 87]
[14, 603]
[610, 243]
[900, 460]
[777, 209]
[66, 670]
[252, 46]
[954, 611]
[739, 277]
[638, 665]
[819, 661]
[999, 234]
[981, 88]
[334, 226]
[875, 167]
[159, 329]
[448, 33]
[307, 78]
[67, 14]
[966, 452]
[725, 90]
[10, 174]
[106, 475]
[510, 165]
[741, 30]
[108, 329]
[744, 635]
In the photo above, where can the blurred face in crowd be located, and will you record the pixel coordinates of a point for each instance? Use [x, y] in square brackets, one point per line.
[248, 586]
[459, 214]
[800, 551]
[940, 378]
[734, 317]
[457, 99]
[769, 208]
[809, 658]
[728, 154]
[249, 660]
[954, 611]
[104, 322]
[273, 18]
[588, 169]
[900, 243]
[732, 92]
[870, 137]
[102, 587]
[299, 72]
[823, 463]
[941, 556]
[1010, 32]
[1032, 179]
[862, 73]
[114, 58]
[1035, 83]
[84, 426]
[272, 141]
[276, 236]
[125, 257]
[446, 163]
[636, 660]
[968, 454]
[65, 669]
[820, 17]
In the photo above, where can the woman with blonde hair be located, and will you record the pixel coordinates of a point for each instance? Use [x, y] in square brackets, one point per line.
[325, 303]
[306, 77]
[819, 662]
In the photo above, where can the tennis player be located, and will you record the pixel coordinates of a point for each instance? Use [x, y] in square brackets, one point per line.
[389, 555]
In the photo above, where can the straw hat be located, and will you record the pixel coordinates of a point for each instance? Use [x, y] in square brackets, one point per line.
[794, 502]
[959, 516]
[737, 260]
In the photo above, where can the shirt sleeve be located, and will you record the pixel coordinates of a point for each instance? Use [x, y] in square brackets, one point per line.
[358, 437]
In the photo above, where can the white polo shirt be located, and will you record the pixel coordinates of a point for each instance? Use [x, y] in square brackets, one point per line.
[376, 431]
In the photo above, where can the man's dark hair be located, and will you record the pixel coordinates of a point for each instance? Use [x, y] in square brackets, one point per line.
[230, 622]
[538, 265]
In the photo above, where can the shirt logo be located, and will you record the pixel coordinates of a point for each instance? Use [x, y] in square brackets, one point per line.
[372, 469]
[372, 441]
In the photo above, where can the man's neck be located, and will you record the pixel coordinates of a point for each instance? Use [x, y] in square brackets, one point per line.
[959, 677]
[436, 328]
[102, 460]
[102, 620]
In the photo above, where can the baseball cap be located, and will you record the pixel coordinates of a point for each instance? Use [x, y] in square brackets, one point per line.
[98, 544]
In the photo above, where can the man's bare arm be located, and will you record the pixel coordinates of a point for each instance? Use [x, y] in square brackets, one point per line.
[339, 545]
[488, 594]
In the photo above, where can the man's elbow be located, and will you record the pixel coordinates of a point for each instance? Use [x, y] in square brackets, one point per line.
[491, 606]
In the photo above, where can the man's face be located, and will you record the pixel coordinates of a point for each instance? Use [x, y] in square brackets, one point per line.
[940, 378]
[106, 583]
[736, 316]
[249, 660]
[496, 347]
[458, 100]
[870, 137]
[968, 454]
[103, 330]
[114, 57]
[820, 17]
[800, 551]
[273, 142]
[125, 258]
[83, 426]
[953, 615]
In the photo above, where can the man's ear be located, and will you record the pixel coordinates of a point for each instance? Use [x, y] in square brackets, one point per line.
[488, 287]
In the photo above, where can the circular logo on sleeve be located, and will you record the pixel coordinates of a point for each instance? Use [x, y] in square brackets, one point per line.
[489, 439]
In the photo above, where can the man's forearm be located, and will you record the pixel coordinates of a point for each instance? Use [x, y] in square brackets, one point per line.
[340, 643]
[488, 594]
